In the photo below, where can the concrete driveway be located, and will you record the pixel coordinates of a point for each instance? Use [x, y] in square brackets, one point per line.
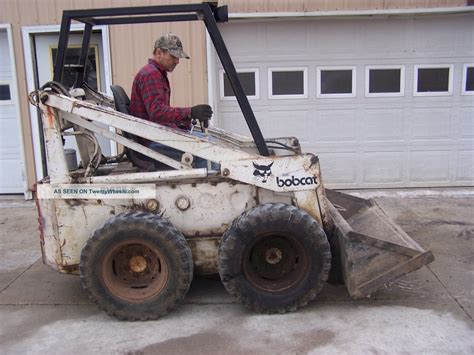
[428, 311]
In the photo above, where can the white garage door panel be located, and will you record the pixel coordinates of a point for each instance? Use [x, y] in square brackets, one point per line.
[249, 33]
[10, 174]
[384, 37]
[271, 123]
[9, 124]
[233, 121]
[465, 165]
[339, 168]
[466, 123]
[403, 141]
[386, 167]
[11, 166]
[441, 30]
[430, 166]
[279, 40]
[339, 125]
[431, 123]
[343, 38]
[381, 124]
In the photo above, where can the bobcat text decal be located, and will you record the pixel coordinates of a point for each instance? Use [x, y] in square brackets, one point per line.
[294, 181]
[264, 172]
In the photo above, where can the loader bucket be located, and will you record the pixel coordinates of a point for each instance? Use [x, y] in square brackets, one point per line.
[369, 247]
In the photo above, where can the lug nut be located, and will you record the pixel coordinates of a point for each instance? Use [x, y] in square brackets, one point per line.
[152, 205]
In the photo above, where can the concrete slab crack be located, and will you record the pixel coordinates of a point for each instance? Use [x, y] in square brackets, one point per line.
[16, 278]
[450, 294]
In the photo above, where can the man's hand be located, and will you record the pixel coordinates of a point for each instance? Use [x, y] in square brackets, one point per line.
[203, 113]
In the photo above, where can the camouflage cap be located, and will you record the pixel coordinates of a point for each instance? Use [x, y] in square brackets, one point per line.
[171, 43]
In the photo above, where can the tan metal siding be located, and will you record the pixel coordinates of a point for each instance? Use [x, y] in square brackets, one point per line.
[333, 5]
[188, 81]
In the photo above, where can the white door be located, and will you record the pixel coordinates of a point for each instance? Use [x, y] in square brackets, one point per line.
[383, 102]
[46, 47]
[11, 165]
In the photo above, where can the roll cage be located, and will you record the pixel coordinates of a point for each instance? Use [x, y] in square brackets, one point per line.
[207, 12]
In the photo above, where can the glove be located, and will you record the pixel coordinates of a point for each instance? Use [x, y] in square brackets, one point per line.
[203, 113]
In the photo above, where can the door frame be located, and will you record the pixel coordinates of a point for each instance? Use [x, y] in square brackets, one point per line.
[16, 102]
[27, 33]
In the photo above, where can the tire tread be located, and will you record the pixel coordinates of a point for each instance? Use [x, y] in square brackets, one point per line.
[173, 239]
[240, 230]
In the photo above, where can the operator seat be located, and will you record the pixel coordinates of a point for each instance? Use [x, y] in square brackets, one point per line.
[122, 104]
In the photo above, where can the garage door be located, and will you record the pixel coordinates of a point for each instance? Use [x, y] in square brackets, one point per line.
[383, 102]
[11, 177]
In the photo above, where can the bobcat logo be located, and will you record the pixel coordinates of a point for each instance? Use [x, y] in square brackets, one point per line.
[262, 171]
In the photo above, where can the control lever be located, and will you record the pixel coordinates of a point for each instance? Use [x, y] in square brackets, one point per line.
[193, 123]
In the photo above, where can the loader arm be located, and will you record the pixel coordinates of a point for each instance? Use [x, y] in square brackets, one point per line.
[235, 163]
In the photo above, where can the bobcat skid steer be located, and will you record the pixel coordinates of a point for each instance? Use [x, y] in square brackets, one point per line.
[137, 226]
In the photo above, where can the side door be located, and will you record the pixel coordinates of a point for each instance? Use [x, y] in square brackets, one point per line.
[45, 50]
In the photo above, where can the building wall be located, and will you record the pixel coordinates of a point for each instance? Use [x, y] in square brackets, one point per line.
[132, 45]
[334, 5]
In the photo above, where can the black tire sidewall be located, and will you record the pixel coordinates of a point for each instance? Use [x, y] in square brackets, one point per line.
[150, 229]
[277, 219]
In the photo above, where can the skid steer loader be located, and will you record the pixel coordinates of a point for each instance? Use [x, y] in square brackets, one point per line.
[137, 226]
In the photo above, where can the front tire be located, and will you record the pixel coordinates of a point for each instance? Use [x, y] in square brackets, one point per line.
[137, 266]
[274, 258]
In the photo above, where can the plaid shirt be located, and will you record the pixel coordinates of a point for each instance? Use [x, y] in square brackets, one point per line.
[150, 98]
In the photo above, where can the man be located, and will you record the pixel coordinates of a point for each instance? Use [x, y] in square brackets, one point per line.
[151, 94]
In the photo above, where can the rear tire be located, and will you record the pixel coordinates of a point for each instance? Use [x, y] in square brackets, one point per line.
[274, 258]
[137, 266]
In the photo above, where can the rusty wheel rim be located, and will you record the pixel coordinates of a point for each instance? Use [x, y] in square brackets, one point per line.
[275, 263]
[135, 271]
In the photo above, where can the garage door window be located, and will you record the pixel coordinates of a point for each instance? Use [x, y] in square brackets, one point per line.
[249, 80]
[5, 94]
[383, 81]
[433, 80]
[468, 79]
[287, 83]
[336, 82]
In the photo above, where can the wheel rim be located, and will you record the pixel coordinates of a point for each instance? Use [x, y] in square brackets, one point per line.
[275, 263]
[135, 271]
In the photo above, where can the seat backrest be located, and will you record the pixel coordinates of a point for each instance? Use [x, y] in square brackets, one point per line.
[122, 102]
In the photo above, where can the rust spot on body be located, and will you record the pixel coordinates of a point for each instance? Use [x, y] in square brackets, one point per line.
[70, 269]
[40, 217]
[50, 117]
[40, 225]
[75, 202]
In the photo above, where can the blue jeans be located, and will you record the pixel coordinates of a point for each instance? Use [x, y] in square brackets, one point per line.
[176, 154]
